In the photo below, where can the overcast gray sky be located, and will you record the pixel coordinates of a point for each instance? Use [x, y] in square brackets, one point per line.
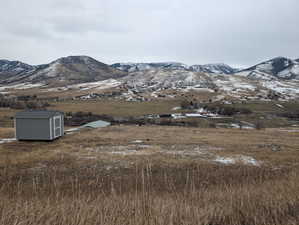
[236, 32]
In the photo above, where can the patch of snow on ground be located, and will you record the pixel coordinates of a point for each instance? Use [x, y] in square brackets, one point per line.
[178, 116]
[280, 106]
[176, 108]
[137, 142]
[225, 160]
[131, 152]
[56, 89]
[186, 153]
[198, 88]
[249, 160]
[7, 140]
[233, 160]
[235, 125]
[291, 131]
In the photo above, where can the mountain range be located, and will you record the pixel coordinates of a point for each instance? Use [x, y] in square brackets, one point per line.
[77, 69]
[218, 68]
[279, 74]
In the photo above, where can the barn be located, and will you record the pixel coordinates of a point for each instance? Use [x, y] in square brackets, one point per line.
[39, 125]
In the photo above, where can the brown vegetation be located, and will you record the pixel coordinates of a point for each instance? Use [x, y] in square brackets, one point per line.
[116, 108]
[198, 194]
[76, 180]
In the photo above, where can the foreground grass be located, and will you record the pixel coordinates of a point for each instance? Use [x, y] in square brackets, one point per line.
[198, 194]
[76, 180]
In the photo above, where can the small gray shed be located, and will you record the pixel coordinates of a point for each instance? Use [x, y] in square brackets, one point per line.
[39, 125]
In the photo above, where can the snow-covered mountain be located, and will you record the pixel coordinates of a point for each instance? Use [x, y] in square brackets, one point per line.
[208, 68]
[83, 73]
[14, 68]
[157, 81]
[67, 70]
[219, 68]
[133, 67]
[277, 68]
[75, 69]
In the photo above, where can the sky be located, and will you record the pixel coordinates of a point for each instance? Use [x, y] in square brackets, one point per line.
[236, 32]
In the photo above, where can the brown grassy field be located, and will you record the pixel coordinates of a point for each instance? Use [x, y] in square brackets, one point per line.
[265, 111]
[114, 108]
[152, 175]
[117, 108]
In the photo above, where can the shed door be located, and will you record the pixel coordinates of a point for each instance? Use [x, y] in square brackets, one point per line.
[57, 126]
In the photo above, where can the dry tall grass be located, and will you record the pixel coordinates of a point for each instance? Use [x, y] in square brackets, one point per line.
[65, 192]
[63, 182]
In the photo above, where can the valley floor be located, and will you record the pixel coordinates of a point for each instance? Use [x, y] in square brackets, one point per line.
[152, 175]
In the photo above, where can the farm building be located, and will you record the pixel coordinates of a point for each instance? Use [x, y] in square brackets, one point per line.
[39, 125]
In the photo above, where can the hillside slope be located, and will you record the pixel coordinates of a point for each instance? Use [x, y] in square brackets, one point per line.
[10, 69]
[207, 68]
[63, 71]
[280, 68]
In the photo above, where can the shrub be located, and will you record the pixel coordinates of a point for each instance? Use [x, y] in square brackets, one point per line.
[212, 125]
[259, 125]
[226, 110]
[185, 104]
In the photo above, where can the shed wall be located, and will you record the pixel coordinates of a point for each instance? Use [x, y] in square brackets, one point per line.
[32, 129]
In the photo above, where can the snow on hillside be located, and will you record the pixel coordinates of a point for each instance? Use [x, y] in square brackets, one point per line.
[134, 67]
[287, 73]
[280, 75]
[64, 71]
[230, 83]
[208, 68]
[99, 85]
[159, 79]
[154, 82]
[277, 68]
[10, 66]
[21, 86]
[11, 69]
[289, 89]
[256, 75]
[213, 68]
[51, 70]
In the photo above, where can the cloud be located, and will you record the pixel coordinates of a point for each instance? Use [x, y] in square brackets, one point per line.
[191, 31]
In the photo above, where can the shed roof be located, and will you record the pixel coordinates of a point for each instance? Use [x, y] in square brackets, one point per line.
[97, 124]
[34, 114]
